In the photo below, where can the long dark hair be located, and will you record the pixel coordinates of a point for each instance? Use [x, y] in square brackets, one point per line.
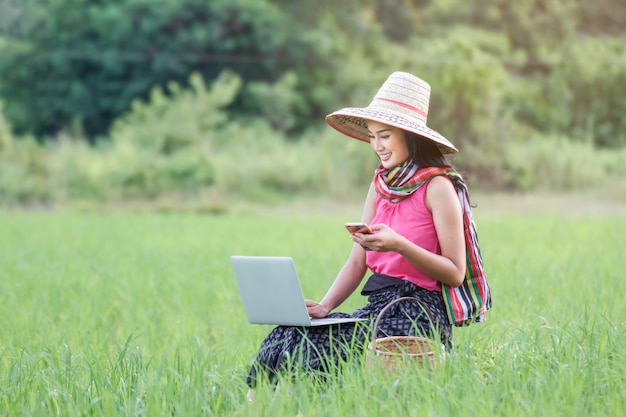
[426, 153]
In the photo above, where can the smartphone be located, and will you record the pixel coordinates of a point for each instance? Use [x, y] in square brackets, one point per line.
[358, 227]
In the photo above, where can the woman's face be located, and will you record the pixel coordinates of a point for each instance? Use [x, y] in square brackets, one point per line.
[389, 144]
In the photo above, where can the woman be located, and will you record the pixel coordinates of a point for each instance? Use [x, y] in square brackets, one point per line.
[417, 244]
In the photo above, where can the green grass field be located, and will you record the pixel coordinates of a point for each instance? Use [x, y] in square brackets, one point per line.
[131, 314]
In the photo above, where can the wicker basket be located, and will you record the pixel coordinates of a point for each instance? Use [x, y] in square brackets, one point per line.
[394, 352]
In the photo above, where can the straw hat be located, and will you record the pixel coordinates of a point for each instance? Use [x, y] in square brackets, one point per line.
[402, 101]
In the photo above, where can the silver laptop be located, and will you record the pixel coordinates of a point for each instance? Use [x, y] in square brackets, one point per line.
[271, 292]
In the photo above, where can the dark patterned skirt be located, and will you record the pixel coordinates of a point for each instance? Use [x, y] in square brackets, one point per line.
[322, 350]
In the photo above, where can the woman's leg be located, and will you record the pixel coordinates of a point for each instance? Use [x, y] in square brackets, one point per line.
[320, 350]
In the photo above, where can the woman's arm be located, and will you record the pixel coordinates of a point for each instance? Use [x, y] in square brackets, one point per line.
[443, 202]
[352, 272]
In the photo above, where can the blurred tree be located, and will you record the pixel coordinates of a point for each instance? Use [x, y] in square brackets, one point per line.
[345, 59]
[86, 60]
[561, 80]
[82, 62]
[5, 133]
[602, 17]
[537, 28]
[399, 18]
[168, 123]
[583, 97]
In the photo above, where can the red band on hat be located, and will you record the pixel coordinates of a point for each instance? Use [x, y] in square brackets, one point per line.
[406, 106]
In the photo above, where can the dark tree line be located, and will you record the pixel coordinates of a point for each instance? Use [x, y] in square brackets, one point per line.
[81, 63]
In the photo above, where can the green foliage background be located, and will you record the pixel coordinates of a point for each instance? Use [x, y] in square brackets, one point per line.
[145, 100]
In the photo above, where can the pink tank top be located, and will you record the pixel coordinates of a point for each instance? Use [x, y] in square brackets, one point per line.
[412, 219]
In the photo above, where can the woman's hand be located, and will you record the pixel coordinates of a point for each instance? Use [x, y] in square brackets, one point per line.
[384, 239]
[316, 310]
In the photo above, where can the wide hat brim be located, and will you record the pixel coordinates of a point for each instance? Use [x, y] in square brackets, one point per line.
[352, 122]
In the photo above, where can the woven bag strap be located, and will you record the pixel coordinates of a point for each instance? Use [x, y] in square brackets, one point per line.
[397, 300]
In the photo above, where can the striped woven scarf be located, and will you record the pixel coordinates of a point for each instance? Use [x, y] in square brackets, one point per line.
[398, 183]
[469, 302]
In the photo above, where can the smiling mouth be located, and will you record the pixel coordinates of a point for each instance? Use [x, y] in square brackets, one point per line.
[384, 156]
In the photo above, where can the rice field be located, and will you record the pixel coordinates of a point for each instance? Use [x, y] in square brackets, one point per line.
[137, 314]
